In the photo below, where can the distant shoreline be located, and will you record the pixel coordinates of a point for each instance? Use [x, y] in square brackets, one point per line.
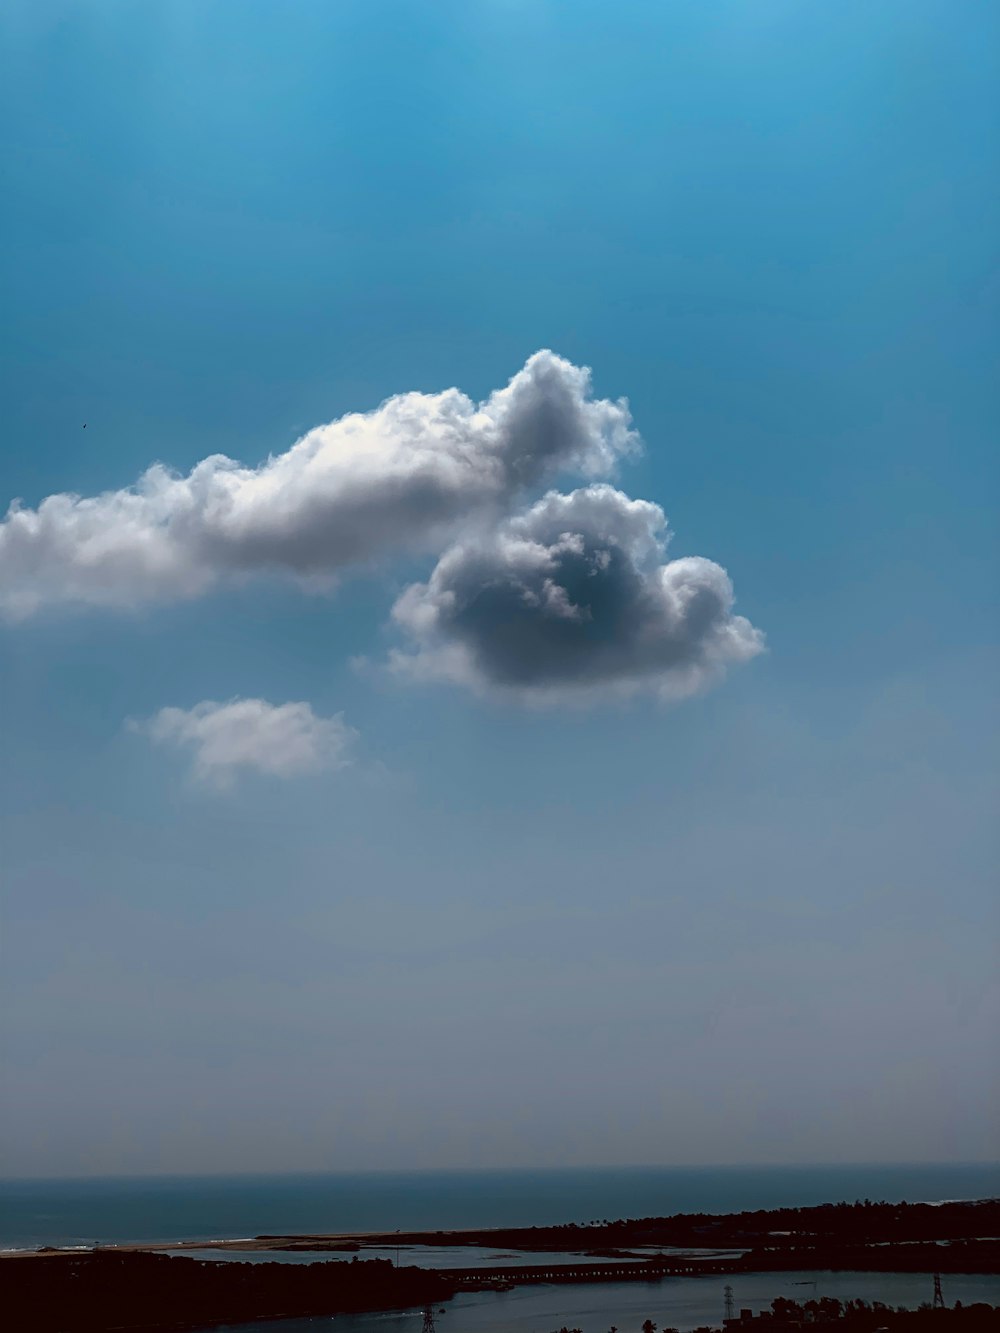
[962, 1231]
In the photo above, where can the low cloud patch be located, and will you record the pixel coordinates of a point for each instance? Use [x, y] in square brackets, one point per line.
[251, 735]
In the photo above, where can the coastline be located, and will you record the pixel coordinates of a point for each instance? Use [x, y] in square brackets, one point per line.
[942, 1233]
[109, 1288]
[169, 1208]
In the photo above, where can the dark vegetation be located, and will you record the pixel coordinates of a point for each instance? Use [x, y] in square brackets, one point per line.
[852, 1317]
[100, 1292]
[953, 1257]
[866, 1317]
[859, 1223]
[902, 1237]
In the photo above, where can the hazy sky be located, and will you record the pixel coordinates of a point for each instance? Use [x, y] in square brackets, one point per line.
[380, 788]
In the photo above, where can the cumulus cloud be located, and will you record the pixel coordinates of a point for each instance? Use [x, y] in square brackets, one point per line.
[406, 476]
[573, 599]
[252, 735]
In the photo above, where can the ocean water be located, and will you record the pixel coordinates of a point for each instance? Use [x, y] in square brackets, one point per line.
[82, 1212]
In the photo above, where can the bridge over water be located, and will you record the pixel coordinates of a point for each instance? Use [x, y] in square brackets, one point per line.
[608, 1270]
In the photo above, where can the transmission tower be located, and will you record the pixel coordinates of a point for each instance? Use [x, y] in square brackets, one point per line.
[938, 1298]
[728, 1292]
[428, 1320]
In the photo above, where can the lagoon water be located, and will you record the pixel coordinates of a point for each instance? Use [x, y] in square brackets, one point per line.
[682, 1303]
[80, 1212]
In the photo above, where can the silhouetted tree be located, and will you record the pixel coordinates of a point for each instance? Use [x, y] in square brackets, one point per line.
[782, 1308]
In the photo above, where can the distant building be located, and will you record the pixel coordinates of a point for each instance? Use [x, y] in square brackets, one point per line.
[765, 1321]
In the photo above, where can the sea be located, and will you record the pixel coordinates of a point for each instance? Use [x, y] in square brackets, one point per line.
[165, 1209]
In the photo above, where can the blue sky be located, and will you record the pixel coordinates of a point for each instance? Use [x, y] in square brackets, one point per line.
[755, 924]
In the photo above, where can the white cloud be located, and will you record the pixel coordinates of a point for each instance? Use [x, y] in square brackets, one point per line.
[573, 600]
[252, 735]
[570, 598]
[406, 476]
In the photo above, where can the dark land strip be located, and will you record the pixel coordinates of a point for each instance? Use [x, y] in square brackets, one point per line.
[120, 1288]
[828, 1225]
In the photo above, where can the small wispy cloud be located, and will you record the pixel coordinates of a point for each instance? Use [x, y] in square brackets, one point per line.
[251, 735]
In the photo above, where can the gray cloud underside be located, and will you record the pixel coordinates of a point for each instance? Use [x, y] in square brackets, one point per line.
[573, 599]
[406, 476]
